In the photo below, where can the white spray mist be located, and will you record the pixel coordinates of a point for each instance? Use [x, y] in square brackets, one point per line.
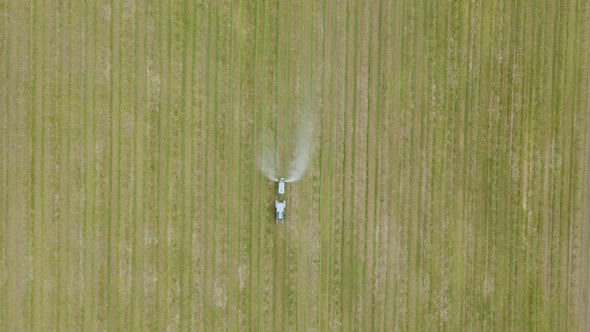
[303, 148]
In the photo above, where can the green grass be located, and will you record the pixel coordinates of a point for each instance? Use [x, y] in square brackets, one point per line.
[447, 191]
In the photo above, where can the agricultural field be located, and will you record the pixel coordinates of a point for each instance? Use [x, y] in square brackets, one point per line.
[446, 156]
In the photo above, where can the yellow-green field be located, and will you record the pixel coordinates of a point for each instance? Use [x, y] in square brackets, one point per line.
[448, 189]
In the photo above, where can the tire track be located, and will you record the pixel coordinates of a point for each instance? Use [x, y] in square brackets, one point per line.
[324, 216]
[140, 187]
[200, 102]
[37, 180]
[584, 299]
[5, 93]
[163, 63]
[9, 169]
[187, 165]
[233, 223]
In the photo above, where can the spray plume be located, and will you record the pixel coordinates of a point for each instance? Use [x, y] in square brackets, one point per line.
[304, 146]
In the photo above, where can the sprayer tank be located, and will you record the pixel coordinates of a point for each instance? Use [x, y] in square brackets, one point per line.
[281, 186]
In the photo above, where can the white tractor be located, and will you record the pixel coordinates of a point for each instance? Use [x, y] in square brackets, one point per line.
[280, 204]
